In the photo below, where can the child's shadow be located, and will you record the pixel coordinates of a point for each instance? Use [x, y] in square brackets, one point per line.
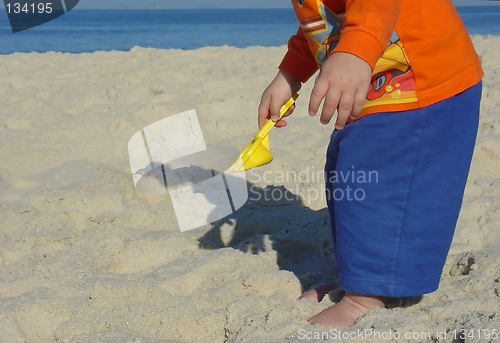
[273, 221]
[299, 238]
[269, 221]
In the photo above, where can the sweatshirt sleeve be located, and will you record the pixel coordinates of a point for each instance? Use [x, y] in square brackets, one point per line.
[299, 61]
[368, 26]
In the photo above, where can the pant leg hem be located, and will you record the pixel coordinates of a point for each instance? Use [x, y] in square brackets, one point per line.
[405, 288]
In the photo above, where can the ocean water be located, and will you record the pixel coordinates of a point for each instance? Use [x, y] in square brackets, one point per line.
[92, 30]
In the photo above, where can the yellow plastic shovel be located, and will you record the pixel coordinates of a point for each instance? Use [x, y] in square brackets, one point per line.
[257, 152]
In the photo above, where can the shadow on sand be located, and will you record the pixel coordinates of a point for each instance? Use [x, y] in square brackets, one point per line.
[272, 221]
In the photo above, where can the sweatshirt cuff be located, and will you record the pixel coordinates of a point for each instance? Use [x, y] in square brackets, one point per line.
[298, 66]
[360, 44]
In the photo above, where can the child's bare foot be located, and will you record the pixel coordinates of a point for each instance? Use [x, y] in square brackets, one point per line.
[317, 294]
[346, 312]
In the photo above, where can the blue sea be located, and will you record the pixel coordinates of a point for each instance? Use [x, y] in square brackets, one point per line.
[92, 30]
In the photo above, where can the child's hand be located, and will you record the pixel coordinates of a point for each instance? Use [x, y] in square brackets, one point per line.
[275, 95]
[343, 82]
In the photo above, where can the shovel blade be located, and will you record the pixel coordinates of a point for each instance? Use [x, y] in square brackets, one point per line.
[256, 154]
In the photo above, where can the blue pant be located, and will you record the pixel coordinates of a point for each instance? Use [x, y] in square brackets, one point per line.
[394, 186]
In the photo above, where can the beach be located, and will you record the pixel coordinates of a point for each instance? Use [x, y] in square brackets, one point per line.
[85, 257]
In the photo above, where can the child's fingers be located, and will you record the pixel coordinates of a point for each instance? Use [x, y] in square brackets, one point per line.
[275, 107]
[270, 108]
[344, 110]
[318, 92]
[359, 102]
[263, 111]
[330, 106]
[282, 122]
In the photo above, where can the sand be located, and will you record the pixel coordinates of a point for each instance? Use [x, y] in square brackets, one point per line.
[86, 258]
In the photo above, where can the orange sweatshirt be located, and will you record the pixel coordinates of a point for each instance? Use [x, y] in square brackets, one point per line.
[419, 50]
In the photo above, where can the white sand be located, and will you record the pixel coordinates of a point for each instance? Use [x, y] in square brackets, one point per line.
[84, 258]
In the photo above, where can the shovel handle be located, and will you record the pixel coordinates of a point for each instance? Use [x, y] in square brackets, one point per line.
[270, 123]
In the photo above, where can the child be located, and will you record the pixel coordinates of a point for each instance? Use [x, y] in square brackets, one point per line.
[405, 81]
